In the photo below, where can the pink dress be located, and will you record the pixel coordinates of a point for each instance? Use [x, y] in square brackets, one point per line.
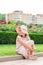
[20, 48]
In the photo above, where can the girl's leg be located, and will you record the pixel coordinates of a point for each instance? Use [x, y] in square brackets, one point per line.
[31, 55]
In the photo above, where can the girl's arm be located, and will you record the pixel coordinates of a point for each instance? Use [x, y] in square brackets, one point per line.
[22, 43]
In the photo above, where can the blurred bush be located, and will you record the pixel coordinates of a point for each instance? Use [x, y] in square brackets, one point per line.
[7, 37]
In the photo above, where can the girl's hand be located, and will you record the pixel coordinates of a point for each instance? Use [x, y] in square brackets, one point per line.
[33, 47]
[30, 48]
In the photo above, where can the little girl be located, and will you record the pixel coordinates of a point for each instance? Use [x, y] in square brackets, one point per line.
[24, 45]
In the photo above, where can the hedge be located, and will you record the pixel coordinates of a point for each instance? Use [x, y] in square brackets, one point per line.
[38, 38]
[10, 37]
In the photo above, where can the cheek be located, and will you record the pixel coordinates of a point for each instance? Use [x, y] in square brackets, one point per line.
[20, 32]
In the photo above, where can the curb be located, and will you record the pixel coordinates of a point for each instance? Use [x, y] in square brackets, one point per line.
[17, 57]
[39, 54]
[10, 58]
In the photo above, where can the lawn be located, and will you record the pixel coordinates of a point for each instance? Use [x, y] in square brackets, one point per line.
[10, 49]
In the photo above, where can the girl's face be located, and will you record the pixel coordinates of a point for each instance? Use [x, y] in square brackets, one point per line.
[18, 29]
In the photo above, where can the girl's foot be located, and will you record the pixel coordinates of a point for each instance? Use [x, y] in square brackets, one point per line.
[32, 57]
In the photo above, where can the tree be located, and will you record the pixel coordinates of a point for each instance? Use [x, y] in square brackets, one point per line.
[2, 16]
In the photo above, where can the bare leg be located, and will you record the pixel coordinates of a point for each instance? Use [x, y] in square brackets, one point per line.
[31, 55]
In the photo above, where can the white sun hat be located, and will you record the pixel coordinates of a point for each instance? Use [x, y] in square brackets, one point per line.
[24, 29]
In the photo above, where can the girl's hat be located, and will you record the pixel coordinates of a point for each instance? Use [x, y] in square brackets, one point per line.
[24, 29]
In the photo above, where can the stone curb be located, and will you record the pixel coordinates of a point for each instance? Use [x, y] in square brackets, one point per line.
[17, 57]
[39, 54]
[10, 58]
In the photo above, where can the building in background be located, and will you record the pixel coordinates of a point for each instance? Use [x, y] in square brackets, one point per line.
[17, 16]
[34, 19]
[9, 17]
[26, 18]
[39, 18]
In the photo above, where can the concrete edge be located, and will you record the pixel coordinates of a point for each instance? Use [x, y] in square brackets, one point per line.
[17, 57]
[10, 58]
[39, 54]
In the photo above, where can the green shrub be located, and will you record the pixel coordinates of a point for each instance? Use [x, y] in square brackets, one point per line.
[21, 23]
[10, 37]
[38, 38]
[7, 27]
[7, 37]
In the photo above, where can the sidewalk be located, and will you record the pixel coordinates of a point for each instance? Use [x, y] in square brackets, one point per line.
[39, 61]
[17, 57]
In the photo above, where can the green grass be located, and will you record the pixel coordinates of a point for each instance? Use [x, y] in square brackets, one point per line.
[10, 49]
[39, 48]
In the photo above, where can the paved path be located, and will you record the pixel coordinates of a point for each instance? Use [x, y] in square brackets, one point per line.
[39, 61]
